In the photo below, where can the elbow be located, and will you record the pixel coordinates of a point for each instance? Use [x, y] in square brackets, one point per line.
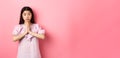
[14, 39]
[42, 37]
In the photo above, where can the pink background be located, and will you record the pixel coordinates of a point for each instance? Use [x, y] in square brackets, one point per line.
[74, 28]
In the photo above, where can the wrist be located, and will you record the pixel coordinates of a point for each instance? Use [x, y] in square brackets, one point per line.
[30, 32]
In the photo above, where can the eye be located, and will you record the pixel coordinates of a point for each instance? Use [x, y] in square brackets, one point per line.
[29, 14]
[24, 14]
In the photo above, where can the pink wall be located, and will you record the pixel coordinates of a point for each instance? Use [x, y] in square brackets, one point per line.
[74, 28]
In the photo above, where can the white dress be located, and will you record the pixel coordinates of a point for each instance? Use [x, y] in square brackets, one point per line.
[29, 45]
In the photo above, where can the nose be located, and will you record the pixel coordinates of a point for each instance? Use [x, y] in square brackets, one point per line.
[27, 16]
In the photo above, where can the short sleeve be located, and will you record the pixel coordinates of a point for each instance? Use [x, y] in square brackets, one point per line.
[40, 30]
[16, 30]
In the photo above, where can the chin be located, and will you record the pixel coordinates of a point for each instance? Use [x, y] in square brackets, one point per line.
[27, 20]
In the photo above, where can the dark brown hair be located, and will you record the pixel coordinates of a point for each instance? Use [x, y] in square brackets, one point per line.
[26, 8]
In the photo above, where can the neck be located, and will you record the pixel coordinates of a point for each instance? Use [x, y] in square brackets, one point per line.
[27, 23]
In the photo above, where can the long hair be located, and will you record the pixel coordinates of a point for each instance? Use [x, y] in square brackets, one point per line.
[28, 9]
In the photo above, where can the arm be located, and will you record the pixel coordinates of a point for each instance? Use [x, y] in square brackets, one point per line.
[18, 37]
[41, 36]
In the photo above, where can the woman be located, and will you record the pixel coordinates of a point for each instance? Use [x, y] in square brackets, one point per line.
[27, 33]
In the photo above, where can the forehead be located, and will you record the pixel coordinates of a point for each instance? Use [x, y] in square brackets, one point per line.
[26, 11]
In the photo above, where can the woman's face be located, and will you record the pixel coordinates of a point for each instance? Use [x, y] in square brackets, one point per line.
[27, 15]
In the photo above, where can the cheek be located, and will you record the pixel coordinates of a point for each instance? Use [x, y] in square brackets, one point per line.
[30, 17]
[24, 17]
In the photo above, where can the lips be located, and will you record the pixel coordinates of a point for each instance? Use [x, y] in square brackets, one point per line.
[27, 19]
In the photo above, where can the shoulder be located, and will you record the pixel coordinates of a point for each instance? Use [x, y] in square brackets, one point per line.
[18, 26]
[36, 25]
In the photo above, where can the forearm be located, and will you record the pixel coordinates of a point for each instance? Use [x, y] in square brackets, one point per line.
[41, 36]
[18, 37]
